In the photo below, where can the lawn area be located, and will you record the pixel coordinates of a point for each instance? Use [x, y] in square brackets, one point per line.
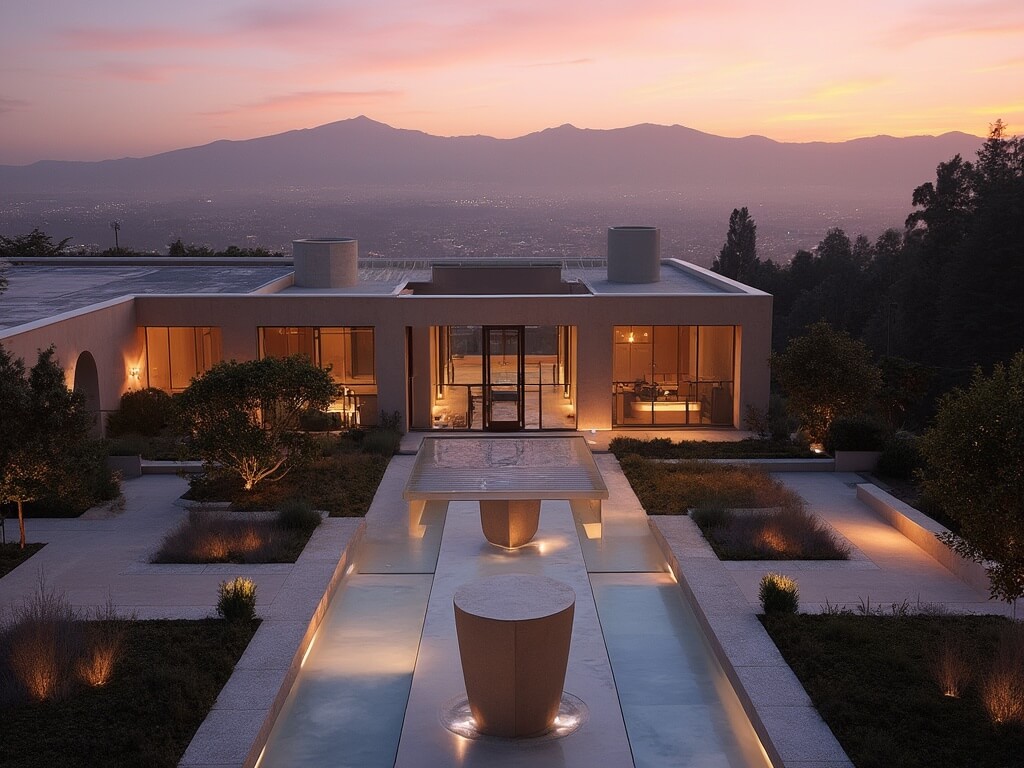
[12, 555]
[342, 480]
[871, 678]
[743, 512]
[664, 448]
[161, 691]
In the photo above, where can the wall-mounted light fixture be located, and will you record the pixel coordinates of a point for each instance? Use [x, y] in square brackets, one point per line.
[134, 373]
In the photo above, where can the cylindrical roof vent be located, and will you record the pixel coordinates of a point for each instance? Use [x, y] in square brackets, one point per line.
[326, 262]
[634, 254]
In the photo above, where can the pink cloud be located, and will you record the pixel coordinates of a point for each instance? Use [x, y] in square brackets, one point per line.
[304, 100]
[9, 105]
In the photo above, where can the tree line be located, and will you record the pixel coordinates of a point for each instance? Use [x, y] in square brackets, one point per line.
[38, 243]
[932, 300]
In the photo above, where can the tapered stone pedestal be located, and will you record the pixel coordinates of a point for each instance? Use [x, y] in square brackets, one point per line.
[510, 524]
[514, 632]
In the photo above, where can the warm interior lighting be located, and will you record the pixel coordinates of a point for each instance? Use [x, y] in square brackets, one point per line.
[134, 373]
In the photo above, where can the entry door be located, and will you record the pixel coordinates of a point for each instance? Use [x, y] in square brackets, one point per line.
[504, 376]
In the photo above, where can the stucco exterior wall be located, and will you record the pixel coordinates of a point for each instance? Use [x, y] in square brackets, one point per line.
[108, 331]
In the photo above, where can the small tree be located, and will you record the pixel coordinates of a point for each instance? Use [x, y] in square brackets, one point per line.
[45, 426]
[974, 462]
[242, 417]
[826, 374]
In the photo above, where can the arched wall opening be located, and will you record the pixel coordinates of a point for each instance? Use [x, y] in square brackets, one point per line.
[87, 382]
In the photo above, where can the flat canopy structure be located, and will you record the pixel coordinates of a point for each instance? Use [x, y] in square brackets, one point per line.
[503, 469]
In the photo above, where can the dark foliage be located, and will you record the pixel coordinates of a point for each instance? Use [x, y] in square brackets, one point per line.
[143, 412]
[855, 433]
[164, 685]
[871, 679]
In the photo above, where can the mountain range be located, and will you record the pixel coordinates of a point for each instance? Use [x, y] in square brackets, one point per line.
[361, 152]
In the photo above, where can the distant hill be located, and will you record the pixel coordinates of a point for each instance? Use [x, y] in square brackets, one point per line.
[362, 152]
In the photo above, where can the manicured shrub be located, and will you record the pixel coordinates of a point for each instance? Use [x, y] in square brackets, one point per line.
[236, 599]
[778, 594]
[297, 515]
[142, 412]
[901, 456]
[855, 433]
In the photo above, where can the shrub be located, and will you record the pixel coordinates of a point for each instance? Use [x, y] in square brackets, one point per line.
[778, 594]
[319, 421]
[236, 599]
[855, 433]
[901, 456]
[382, 442]
[142, 412]
[297, 515]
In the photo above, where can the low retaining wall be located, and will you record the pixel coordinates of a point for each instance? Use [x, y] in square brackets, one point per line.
[922, 530]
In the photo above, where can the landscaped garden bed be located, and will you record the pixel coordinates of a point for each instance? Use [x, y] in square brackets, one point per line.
[881, 684]
[162, 686]
[342, 480]
[664, 448]
[12, 555]
[209, 537]
[743, 512]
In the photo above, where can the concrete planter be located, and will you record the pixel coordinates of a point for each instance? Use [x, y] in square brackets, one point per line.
[128, 466]
[857, 461]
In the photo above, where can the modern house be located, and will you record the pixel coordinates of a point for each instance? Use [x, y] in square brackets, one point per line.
[499, 344]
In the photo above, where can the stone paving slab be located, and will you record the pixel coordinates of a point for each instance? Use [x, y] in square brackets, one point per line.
[790, 729]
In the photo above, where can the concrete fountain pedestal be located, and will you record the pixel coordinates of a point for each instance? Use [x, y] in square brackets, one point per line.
[514, 632]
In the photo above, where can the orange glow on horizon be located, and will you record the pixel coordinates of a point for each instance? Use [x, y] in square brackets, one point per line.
[102, 81]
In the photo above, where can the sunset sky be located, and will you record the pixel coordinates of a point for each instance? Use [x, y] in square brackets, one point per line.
[110, 78]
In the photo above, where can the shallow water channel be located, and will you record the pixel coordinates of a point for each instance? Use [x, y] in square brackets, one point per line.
[385, 661]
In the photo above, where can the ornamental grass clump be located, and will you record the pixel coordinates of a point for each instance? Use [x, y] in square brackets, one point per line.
[951, 666]
[778, 594]
[1002, 689]
[42, 644]
[236, 600]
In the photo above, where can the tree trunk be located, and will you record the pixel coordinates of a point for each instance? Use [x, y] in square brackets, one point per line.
[21, 524]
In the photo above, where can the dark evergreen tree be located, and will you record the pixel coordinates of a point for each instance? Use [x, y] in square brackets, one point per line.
[738, 257]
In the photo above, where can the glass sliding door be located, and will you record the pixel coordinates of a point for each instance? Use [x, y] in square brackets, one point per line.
[478, 380]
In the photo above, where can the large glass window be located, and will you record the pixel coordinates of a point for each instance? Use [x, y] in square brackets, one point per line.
[349, 354]
[673, 374]
[176, 355]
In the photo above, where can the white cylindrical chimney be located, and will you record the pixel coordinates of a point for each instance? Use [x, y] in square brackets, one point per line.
[634, 254]
[326, 262]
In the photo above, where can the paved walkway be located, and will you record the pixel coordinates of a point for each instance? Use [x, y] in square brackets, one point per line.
[885, 567]
[101, 556]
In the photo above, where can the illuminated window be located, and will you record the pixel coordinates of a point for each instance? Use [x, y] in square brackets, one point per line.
[348, 353]
[673, 374]
[176, 355]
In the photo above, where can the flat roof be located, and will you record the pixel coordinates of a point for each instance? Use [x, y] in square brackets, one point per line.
[38, 290]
